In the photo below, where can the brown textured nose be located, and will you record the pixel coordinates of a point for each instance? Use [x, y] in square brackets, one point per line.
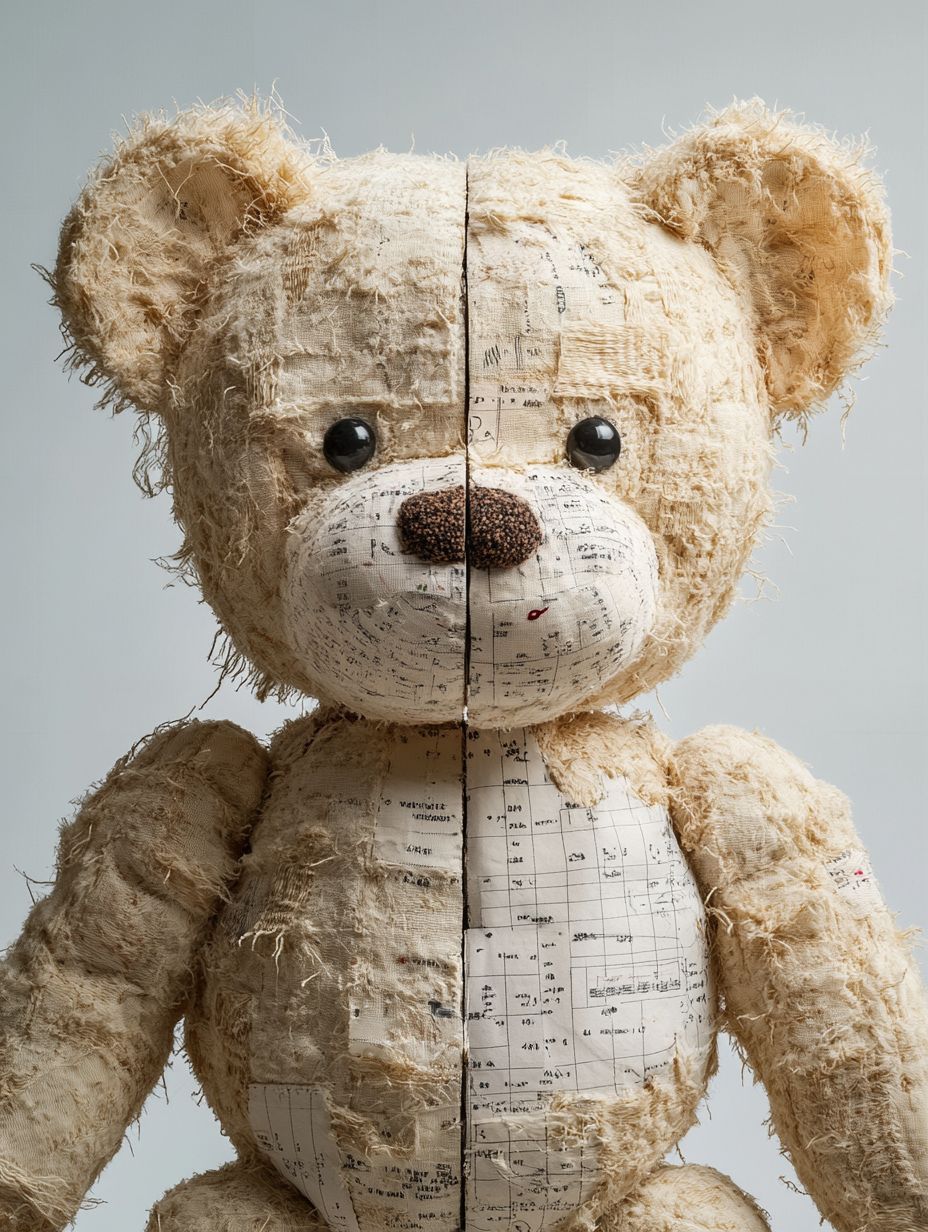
[433, 525]
[503, 531]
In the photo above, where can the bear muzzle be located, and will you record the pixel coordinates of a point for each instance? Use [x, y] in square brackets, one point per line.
[494, 529]
[420, 588]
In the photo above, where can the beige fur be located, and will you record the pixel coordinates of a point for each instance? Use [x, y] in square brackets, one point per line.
[688, 1199]
[103, 968]
[236, 1198]
[825, 1002]
[246, 294]
[798, 223]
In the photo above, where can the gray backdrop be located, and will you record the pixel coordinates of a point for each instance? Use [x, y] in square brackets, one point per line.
[98, 649]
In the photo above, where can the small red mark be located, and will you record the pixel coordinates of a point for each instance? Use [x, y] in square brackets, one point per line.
[536, 612]
[858, 872]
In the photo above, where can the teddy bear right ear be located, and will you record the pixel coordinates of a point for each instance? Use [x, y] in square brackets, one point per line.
[797, 222]
[174, 198]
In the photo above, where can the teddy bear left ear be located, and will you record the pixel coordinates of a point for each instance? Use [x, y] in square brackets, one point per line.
[798, 224]
[175, 198]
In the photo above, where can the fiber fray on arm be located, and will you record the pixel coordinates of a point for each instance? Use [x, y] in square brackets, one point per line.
[92, 990]
[817, 984]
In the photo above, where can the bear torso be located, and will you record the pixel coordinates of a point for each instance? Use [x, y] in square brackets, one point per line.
[410, 887]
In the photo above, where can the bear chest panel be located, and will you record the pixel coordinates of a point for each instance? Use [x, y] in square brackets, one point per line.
[586, 963]
[456, 895]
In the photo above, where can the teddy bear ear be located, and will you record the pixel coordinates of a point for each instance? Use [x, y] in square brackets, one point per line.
[798, 224]
[175, 197]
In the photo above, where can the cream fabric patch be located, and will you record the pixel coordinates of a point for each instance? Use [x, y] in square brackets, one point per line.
[293, 1129]
[602, 361]
[401, 1003]
[293, 1126]
[586, 956]
[852, 877]
[372, 289]
[529, 287]
[420, 814]
[528, 1173]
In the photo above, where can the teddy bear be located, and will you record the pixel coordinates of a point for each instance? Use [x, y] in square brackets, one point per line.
[472, 453]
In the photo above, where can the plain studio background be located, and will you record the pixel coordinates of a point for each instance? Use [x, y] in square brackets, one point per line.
[97, 651]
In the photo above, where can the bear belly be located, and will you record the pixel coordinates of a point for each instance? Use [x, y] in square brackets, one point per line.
[328, 1033]
[343, 978]
[588, 1001]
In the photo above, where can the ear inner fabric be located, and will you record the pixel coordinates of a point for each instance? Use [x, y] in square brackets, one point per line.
[798, 223]
[176, 196]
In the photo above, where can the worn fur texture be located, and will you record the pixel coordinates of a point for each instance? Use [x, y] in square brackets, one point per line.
[824, 999]
[687, 1199]
[799, 225]
[235, 1198]
[245, 293]
[93, 988]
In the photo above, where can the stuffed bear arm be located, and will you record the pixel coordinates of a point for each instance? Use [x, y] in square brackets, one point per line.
[92, 990]
[816, 983]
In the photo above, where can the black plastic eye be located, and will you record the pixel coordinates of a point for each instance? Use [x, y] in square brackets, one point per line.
[349, 444]
[593, 444]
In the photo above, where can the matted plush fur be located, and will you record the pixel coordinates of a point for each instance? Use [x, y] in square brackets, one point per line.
[92, 990]
[821, 993]
[304, 907]
[687, 1199]
[235, 1198]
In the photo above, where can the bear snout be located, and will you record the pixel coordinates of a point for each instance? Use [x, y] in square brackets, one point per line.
[503, 530]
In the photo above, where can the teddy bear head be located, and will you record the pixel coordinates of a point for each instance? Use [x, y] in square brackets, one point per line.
[488, 437]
